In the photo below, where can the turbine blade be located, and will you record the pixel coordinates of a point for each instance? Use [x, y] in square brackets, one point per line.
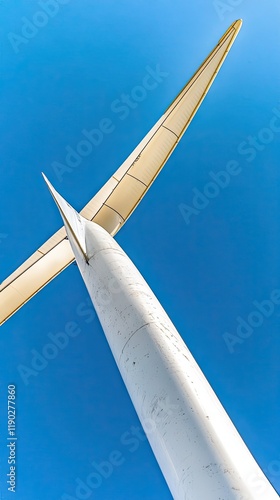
[120, 195]
[72, 220]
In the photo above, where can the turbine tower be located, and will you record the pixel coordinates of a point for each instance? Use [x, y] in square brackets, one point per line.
[196, 445]
[200, 453]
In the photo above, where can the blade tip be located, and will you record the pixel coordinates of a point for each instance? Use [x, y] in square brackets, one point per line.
[50, 186]
[45, 178]
[237, 24]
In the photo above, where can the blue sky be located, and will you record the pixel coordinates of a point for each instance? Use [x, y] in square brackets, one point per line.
[209, 266]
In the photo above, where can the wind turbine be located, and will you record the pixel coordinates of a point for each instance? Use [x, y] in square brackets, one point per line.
[200, 453]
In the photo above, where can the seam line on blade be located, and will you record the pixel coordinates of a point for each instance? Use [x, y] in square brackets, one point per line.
[199, 72]
[163, 126]
[136, 178]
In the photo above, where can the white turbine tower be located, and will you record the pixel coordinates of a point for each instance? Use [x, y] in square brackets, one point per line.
[197, 447]
[200, 453]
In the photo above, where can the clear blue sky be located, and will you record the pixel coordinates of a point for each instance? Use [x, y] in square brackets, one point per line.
[208, 269]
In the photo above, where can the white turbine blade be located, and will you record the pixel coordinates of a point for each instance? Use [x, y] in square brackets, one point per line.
[72, 220]
[132, 180]
[116, 200]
